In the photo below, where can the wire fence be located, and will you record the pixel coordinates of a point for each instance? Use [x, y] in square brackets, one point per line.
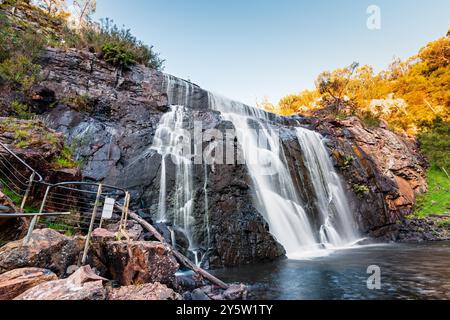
[84, 202]
[16, 178]
[68, 207]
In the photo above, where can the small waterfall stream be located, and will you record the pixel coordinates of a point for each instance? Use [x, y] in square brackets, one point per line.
[168, 143]
[337, 224]
[276, 197]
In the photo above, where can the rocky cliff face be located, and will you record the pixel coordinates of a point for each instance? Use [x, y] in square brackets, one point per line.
[110, 117]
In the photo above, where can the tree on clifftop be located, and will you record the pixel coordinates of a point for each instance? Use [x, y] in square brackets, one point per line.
[84, 9]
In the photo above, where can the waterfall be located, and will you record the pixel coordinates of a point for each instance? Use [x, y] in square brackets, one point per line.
[275, 194]
[168, 142]
[179, 92]
[206, 213]
[337, 223]
[274, 189]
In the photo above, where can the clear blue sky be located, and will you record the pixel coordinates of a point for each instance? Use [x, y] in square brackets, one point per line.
[247, 49]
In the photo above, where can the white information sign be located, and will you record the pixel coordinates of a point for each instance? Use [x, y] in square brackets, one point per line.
[108, 208]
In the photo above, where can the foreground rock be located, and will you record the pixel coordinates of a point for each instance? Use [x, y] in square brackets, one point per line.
[234, 292]
[16, 282]
[84, 284]
[47, 249]
[146, 292]
[138, 262]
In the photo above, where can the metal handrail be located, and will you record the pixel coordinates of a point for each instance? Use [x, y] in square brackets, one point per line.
[40, 179]
[28, 215]
[69, 186]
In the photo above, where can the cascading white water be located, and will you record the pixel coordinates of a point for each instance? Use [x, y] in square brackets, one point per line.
[276, 196]
[179, 92]
[338, 225]
[168, 142]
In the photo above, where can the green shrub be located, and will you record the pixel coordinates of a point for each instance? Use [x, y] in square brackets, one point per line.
[116, 45]
[21, 110]
[22, 41]
[65, 159]
[117, 55]
[20, 71]
[361, 190]
[348, 161]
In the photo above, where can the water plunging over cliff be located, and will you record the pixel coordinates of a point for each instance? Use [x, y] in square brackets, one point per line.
[337, 223]
[275, 194]
[168, 143]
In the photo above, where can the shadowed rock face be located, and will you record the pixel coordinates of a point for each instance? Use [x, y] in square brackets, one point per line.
[113, 137]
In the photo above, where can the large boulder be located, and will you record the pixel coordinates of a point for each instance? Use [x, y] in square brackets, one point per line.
[84, 284]
[131, 263]
[16, 282]
[146, 292]
[46, 249]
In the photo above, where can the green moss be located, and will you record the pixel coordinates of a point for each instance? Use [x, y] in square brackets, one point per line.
[437, 199]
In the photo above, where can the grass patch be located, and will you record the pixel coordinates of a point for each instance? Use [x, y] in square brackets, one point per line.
[65, 159]
[437, 199]
[63, 228]
[12, 195]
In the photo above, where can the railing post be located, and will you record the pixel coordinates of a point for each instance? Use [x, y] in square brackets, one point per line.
[35, 218]
[91, 226]
[27, 192]
[124, 217]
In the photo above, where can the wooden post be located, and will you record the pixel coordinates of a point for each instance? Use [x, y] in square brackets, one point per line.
[91, 226]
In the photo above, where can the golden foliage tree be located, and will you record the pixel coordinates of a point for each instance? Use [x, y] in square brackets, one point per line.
[409, 94]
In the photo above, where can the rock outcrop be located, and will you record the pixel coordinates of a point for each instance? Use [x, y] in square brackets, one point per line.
[84, 284]
[47, 249]
[16, 282]
[138, 262]
[146, 292]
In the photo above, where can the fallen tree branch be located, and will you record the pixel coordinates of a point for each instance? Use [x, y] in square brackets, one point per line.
[181, 258]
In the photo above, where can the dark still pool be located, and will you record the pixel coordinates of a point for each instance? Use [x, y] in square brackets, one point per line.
[408, 271]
